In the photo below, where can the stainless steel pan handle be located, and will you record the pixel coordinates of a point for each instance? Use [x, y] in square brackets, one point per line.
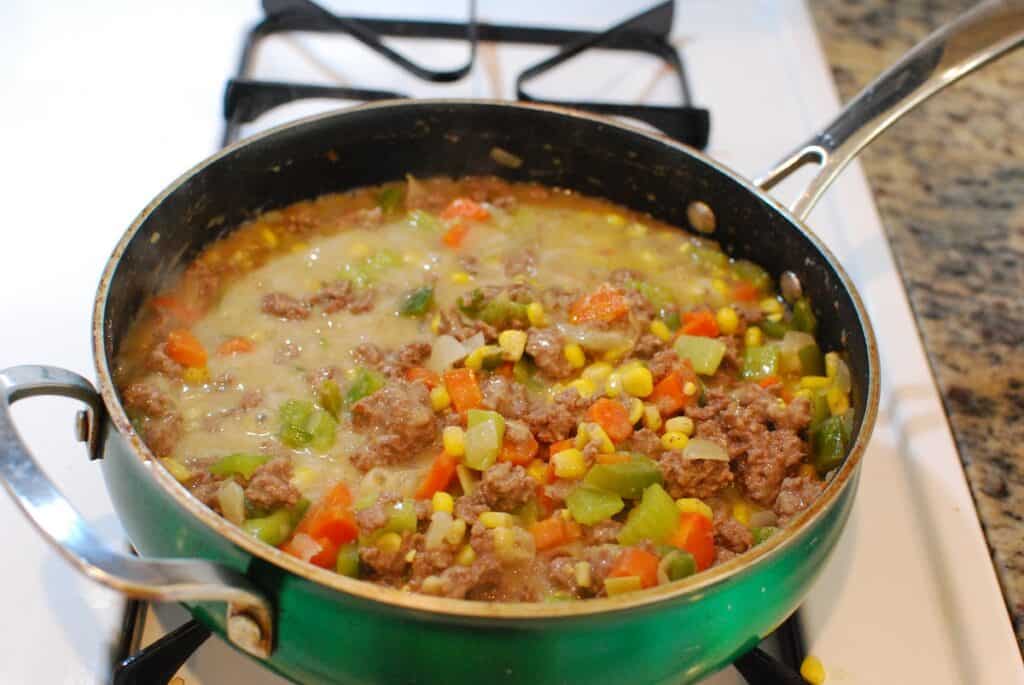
[248, 612]
[974, 39]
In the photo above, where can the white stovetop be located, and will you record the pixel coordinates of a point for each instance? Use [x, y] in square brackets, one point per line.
[105, 103]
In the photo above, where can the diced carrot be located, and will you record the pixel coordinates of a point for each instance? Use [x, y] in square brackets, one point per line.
[438, 477]
[554, 532]
[637, 562]
[604, 304]
[544, 500]
[768, 381]
[612, 458]
[418, 373]
[518, 452]
[330, 523]
[454, 236]
[744, 291]
[464, 208]
[168, 305]
[613, 417]
[463, 389]
[556, 447]
[701, 323]
[185, 348]
[696, 535]
[668, 394]
[233, 346]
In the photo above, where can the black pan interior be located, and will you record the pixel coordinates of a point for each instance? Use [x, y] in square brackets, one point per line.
[383, 143]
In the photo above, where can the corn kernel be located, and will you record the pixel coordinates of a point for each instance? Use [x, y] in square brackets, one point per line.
[504, 542]
[815, 382]
[774, 318]
[837, 401]
[300, 246]
[269, 238]
[638, 382]
[435, 324]
[728, 320]
[636, 230]
[496, 519]
[196, 375]
[597, 372]
[466, 557]
[358, 250]
[613, 386]
[512, 344]
[442, 501]
[689, 388]
[432, 585]
[673, 440]
[753, 337]
[538, 470]
[685, 247]
[660, 330]
[770, 305]
[582, 572]
[741, 512]
[649, 256]
[475, 359]
[805, 393]
[615, 219]
[456, 532]
[692, 505]
[719, 286]
[680, 424]
[410, 556]
[389, 542]
[636, 410]
[620, 585]
[439, 398]
[535, 314]
[831, 364]
[454, 440]
[812, 670]
[460, 277]
[180, 472]
[592, 432]
[569, 464]
[652, 417]
[574, 355]
[616, 353]
[808, 471]
[583, 386]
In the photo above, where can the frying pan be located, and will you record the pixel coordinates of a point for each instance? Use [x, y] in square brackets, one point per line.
[314, 626]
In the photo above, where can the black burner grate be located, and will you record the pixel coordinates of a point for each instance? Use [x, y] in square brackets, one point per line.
[247, 98]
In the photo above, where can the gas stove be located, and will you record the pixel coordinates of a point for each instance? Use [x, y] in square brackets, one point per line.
[897, 603]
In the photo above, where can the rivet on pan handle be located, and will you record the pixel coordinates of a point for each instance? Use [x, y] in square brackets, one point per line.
[969, 42]
[248, 617]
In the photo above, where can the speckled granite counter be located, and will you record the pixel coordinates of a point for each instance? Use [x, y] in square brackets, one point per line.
[949, 183]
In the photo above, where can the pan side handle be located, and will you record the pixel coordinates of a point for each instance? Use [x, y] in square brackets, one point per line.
[248, 611]
[969, 42]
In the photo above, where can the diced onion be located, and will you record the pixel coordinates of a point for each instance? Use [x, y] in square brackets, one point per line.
[304, 547]
[386, 479]
[446, 351]
[842, 381]
[699, 448]
[440, 525]
[231, 498]
[794, 341]
[594, 339]
[762, 518]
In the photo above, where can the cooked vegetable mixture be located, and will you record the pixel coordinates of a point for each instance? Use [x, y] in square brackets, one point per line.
[490, 391]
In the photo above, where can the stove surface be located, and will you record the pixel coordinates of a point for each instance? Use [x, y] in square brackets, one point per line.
[910, 594]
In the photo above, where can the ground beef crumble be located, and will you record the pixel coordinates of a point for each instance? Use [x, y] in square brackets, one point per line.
[284, 306]
[270, 486]
[506, 487]
[398, 422]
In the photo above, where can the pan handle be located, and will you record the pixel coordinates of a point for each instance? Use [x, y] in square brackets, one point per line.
[969, 42]
[248, 612]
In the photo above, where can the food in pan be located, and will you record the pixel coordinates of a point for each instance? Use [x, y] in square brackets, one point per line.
[485, 390]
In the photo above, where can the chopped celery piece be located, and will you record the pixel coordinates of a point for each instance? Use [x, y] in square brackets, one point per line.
[754, 274]
[243, 465]
[321, 427]
[364, 383]
[402, 518]
[659, 297]
[763, 533]
[704, 353]
[475, 417]
[681, 565]
[774, 329]
[425, 221]
[760, 362]
[819, 408]
[348, 560]
[803, 316]
[829, 440]
[525, 372]
[329, 397]
[273, 529]
[365, 271]
[390, 198]
[812, 361]
[417, 302]
[529, 513]
[626, 479]
[498, 312]
[483, 441]
[654, 518]
[295, 412]
[671, 319]
[589, 505]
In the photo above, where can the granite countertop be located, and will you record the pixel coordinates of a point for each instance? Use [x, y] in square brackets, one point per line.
[949, 184]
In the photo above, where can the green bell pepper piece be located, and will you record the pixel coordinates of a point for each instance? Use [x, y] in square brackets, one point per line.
[705, 354]
[364, 383]
[654, 518]
[321, 427]
[829, 440]
[272, 529]
[819, 408]
[671, 319]
[763, 533]
[484, 433]
[243, 465]
[347, 563]
[390, 198]
[402, 518]
[589, 505]
[774, 329]
[627, 479]
[803, 316]
[812, 361]
[681, 565]
[417, 302]
[760, 362]
[524, 372]
[329, 397]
